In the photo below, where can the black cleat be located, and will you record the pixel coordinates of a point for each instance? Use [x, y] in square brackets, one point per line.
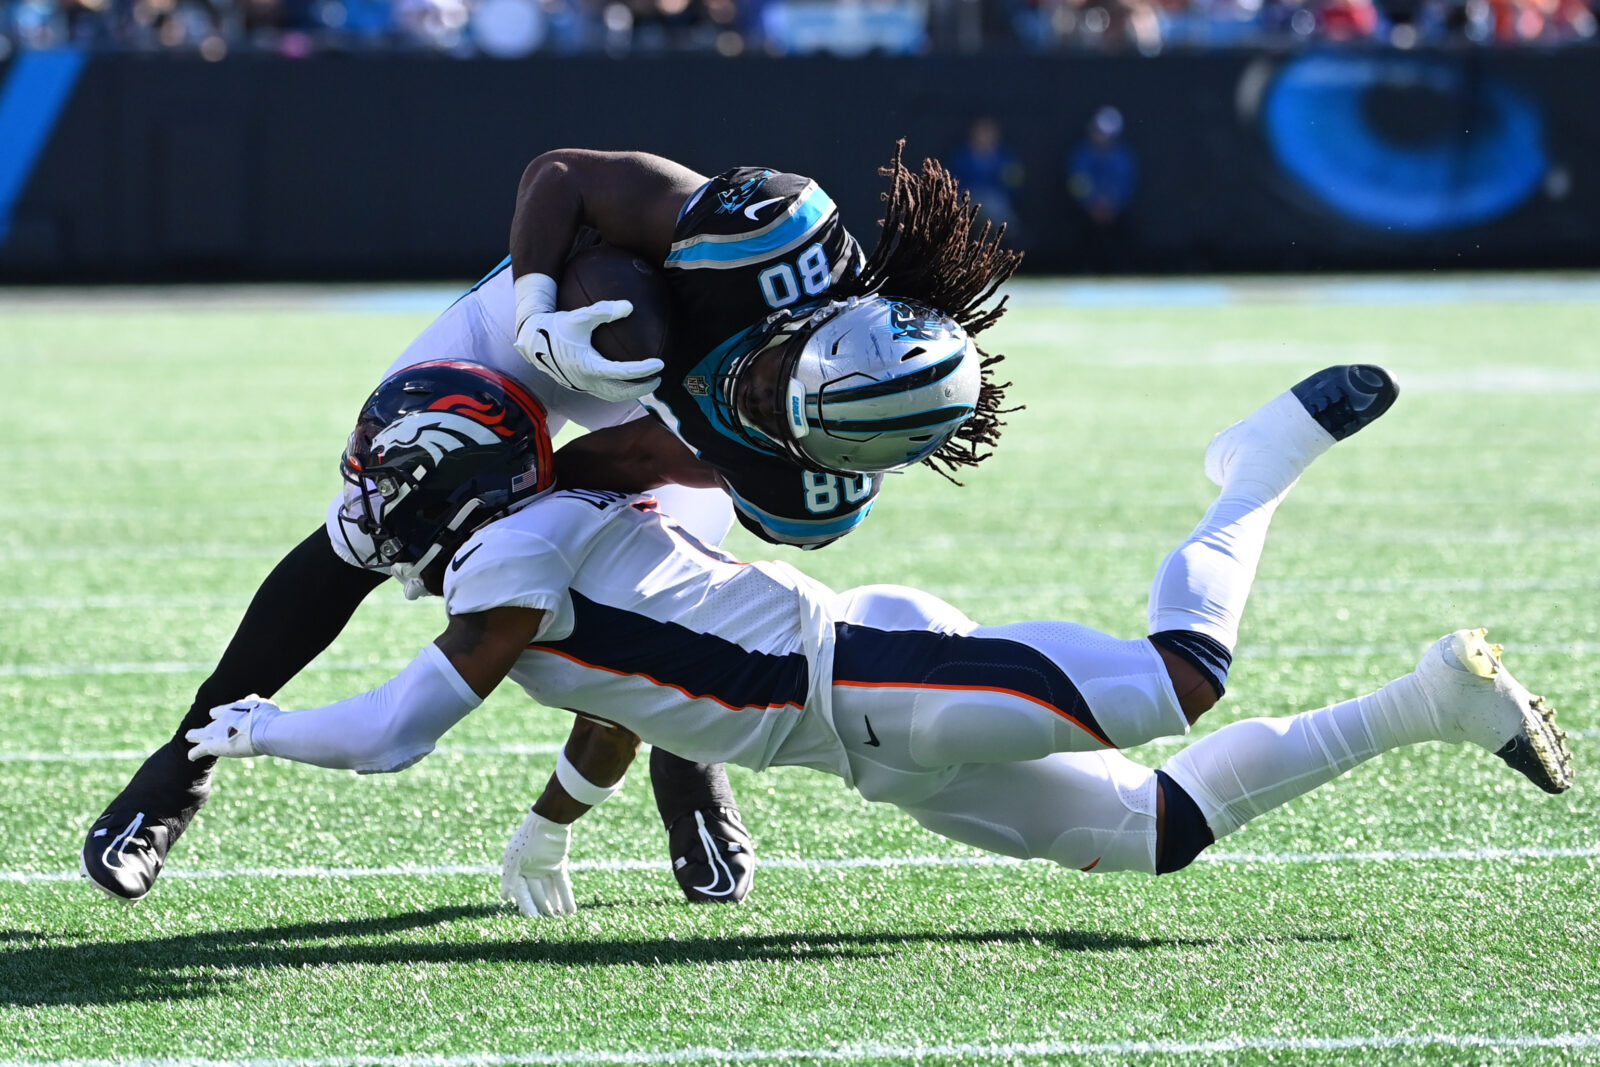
[713, 858]
[127, 846]
[1273, 446]
[1347, 398]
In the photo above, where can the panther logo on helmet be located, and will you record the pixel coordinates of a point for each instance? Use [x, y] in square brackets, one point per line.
[864, 385]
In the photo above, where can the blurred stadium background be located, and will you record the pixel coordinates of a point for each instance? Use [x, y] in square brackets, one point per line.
[204, 140]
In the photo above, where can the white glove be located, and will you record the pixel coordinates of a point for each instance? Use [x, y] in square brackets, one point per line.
[228, 733]
[560, 343]
[533, 872]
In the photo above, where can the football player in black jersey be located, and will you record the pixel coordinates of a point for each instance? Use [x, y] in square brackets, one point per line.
[801, 369]
[794, 383]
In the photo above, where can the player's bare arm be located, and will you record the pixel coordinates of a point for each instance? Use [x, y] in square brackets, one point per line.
[632, 458]
[631, 198]
[482, 646]
[601, 753]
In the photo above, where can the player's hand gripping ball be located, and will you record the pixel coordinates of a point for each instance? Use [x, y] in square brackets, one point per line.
[607, 273]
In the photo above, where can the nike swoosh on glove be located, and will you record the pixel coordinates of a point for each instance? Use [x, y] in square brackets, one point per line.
[560, 343]
[228, 732]
[533, 871]
[713, 857]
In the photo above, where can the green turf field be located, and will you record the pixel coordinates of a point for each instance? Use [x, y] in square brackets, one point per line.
[160, 453]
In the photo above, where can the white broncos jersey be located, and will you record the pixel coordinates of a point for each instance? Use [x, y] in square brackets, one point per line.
[712, 659]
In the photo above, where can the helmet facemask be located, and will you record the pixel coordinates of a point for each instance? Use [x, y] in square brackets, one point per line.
[866, 385]
[770, 423]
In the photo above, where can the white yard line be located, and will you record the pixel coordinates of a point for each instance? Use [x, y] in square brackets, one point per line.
[61, 670]
[447, 870]
[874, 1050]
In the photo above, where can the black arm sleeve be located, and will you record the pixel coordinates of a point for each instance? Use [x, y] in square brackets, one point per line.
[298, 611]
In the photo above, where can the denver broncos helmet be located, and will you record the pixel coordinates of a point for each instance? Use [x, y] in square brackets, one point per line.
[863, 385]
[440, 448]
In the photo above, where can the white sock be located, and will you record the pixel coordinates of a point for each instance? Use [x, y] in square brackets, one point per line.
[1248, 768]
[1203, 584]
[1266, 452]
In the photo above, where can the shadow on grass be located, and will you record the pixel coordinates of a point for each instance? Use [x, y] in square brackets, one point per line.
[203, 965]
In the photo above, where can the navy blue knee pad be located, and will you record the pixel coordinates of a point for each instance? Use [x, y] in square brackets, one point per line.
[1205, 654]
[1185, 834]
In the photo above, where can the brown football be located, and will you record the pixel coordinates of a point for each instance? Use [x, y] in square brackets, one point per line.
[607, 273]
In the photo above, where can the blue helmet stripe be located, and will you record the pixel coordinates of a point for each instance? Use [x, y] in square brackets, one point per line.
[903, 384]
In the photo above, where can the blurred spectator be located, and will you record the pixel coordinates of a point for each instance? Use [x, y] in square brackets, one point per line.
[1096, 25]
[993, 174]
[734, 27]
[1102, 176]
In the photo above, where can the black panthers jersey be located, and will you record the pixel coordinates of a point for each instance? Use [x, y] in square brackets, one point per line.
[748, 243]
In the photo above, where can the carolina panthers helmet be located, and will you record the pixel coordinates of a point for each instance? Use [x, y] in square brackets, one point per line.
[863, 385]
[440, 448]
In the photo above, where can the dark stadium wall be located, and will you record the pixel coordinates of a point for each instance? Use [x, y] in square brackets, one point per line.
[156, 167]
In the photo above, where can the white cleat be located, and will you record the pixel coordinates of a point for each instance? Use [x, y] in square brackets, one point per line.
[1475, 699]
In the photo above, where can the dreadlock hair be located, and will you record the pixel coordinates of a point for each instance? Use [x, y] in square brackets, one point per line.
[928, 252]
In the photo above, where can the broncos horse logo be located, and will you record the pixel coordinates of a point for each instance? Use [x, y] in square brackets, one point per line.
[448, 423]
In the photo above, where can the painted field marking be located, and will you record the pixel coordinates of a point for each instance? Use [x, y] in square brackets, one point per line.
[448, 870]
[874, 1050]
[111, 755]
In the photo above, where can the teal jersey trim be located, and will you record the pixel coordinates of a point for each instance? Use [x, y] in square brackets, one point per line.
[727, 251]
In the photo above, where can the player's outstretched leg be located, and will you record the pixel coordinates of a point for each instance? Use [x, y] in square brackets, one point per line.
[1101, 812]
[1460, 692]
[127, 846]
[298, 611]
[1198, 596]
[713, 856]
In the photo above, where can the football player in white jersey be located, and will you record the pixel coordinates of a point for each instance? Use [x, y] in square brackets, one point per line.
[775, 304]
[1003, 737]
